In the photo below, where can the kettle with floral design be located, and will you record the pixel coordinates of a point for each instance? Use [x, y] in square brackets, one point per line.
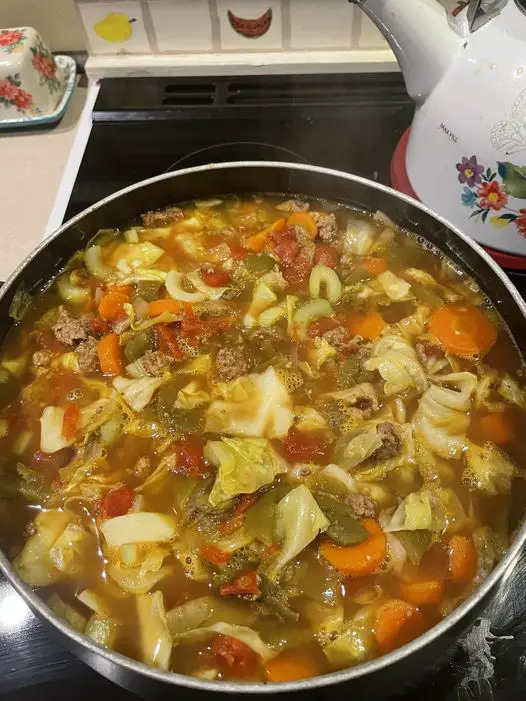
[466, 152]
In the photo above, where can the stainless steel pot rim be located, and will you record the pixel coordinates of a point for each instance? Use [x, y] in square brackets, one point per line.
[501, 570]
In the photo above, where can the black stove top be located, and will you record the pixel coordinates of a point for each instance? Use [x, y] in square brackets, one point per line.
[145, 126]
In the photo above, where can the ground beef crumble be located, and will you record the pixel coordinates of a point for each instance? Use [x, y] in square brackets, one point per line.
[231, 363]
[362, 505]
[69, 330]
[327, 226]
[162, 217]
[391, 442]
[340, 339]
[155, 363]
[41, 359]
[87, 355]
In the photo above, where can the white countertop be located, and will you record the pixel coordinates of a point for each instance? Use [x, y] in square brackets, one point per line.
[32, 166]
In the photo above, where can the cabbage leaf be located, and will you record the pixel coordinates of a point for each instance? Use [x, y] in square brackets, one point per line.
[137, 393]
[140, 527]
[398, 364]
[356, 446]
[246, 635]
[244, 466]
[299, 520]
[437, 510]
[34, 564]
[264, 407]
[441, 419]
[320, 353]
[395, 288]
[155, 638]
[488, 470]
[191, 396]
[262, 298]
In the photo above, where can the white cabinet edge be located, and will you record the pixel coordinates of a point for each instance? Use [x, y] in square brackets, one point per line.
[350, 61]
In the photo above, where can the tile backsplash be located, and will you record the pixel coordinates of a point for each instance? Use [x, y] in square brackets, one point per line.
[116, 27]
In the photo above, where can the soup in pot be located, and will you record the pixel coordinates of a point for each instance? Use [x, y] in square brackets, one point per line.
[258, 439]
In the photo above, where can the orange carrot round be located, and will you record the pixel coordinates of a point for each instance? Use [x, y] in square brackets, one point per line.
[258, 242]
[306, 221]
[159, 306]
[462, 559]
[369, 325]
[397, 623]
[360, 559]
[422, 593]
[109, 352]
[373, 264]
[292, 664]
[495, 428]
[463, 330]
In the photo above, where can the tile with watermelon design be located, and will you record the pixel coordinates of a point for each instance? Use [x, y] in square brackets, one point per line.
[250, 25]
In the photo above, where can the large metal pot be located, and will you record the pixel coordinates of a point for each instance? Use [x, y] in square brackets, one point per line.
[407, 664]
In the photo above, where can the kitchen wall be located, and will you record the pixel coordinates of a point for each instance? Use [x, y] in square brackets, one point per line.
[57, 20]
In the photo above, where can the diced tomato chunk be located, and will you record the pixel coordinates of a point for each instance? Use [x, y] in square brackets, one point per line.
[285, 245]
[236, 655]
[298, 271]
[246, 583]
[238, 252]
[326, 255]
[71, 420]
[215, 278]
[318, 328]
[190, 459]
[167, 341]
[99, 326]
[304, 446]
[117, 502]
[215, 555]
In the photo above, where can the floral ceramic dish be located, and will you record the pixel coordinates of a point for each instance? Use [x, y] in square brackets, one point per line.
[35, 86]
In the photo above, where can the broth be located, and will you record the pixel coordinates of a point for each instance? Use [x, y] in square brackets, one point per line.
[258, 439]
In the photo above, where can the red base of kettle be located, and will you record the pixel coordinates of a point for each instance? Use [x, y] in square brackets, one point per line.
[400, 181]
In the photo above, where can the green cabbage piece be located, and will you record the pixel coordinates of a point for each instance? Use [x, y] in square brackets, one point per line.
[355, 447]
[69, 551]
[320, 352]
[137, 393]
[102, 631]
[67, 613]
[356, 644]
[398, 364]
[299, 520]
[207, 610]
[155, 638]
[246, 635]
[488, 470]
[191, 396]
[394, 287]
[442, 416]
[244, 466]
[34, 564]
[262, 298]
[437, 510]
[258, 406]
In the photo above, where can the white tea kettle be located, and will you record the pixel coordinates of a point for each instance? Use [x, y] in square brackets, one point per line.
[466, 71]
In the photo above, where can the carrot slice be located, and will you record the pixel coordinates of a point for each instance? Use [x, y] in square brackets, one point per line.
[495, 428]
[159, 306]
[71, 420]
[397, 623]
[297, 663]
[422, 593]
[111, 305]
[306, 221]
[463, 330]
[258, 242]
[462, 559]
[369, 325]
[360, 559]
[109, 352]
[373, 265]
